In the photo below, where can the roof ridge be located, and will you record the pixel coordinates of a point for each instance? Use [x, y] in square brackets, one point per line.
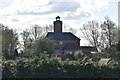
[62, 36]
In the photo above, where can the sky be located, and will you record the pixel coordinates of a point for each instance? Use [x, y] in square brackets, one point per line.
[21, 14]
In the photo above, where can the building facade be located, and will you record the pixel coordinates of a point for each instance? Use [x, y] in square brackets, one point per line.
[66, 42]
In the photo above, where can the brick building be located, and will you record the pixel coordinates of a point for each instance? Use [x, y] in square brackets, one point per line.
[66, 42]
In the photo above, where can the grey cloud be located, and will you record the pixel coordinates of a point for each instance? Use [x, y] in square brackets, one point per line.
[57, 7]
[34, 13]
[64, 6]
[77, 17]
[15, 20]
[60, 7]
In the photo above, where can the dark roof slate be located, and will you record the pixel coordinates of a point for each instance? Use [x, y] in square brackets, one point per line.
[61, 36]
[88, 49]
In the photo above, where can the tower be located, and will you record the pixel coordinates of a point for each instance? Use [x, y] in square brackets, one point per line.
[57, 25]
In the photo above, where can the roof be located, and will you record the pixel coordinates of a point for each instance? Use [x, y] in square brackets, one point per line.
[104, 61]
[61, 36]
[88, 49]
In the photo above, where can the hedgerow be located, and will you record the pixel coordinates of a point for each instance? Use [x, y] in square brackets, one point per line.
[48, 67]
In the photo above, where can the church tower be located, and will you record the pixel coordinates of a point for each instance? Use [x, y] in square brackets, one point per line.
[57, 25]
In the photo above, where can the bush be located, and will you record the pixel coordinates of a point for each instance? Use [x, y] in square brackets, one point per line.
[8, 68]
[78, 55]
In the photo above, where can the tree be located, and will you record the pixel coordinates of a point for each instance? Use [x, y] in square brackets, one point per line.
[35, 31]
[109, 38]
[38, 31]
[9, 41]
[91, 32]
[110, 32]
[43, 45]
[67, 28]
[27, 40]
[112, 51]
[30, 35]
[101, 36]
[49, 28]
[72, 30]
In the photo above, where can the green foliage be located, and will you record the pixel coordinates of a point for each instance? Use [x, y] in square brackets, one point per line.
[48, 67]
[23, 66]
[9, 42]
[111, 51]
[78, 55]
[43, 45]
[8, 68]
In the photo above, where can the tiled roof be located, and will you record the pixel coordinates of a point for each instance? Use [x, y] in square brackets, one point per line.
[61, 36]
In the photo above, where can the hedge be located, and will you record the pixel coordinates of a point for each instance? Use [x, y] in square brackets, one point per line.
[54, 67]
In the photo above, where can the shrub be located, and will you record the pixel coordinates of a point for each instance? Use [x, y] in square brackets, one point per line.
[78, 55]
[8, 68]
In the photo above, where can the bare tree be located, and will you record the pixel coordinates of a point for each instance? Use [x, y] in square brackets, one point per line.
[67, 28]
[101, 36]
[39, 31]
[49, 28]
[34, 32]
[91, 32]
[72, 30]
[30, 35]
[26, 37]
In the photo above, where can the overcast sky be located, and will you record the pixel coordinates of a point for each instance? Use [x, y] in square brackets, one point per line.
[20, 14]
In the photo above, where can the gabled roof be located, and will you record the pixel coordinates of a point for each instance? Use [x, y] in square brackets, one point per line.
[61, 36]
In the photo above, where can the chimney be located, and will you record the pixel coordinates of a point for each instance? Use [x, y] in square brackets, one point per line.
[57, 25]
